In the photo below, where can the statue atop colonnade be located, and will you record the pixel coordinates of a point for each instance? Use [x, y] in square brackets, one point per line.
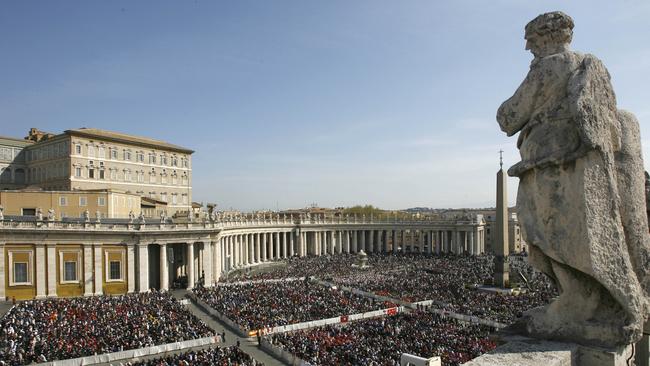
[581, 200]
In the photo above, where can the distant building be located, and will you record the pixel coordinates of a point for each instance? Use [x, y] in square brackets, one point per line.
[12, 162]
[94, 159]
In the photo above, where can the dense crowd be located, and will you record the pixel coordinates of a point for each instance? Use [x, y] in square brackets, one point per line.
[381, 341]
[224, 356]
[268, 304]
[451, 281]
[46, 330]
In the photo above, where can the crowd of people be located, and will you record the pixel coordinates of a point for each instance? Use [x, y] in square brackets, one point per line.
[218, 356]
[450, 281]
[57, 329]
[268, 304]
[381, 341]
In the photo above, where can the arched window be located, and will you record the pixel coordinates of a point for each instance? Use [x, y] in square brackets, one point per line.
[5, 175]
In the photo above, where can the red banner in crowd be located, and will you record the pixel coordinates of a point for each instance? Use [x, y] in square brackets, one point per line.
[344, 318]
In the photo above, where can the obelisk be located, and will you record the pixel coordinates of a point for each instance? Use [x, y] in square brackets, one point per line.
[501, 247]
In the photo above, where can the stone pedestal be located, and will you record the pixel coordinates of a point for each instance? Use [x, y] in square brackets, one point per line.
[523, 351]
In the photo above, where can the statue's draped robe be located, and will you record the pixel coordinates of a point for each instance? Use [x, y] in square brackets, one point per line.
[568, 199]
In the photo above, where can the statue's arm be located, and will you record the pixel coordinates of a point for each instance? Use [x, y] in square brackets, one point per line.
[515, 112]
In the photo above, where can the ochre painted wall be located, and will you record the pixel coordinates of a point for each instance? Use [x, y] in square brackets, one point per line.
[71, 253]
[20, 292]
[114, 253]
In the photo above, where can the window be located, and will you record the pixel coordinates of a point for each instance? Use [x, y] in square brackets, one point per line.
[174, 198]
[163, 178]
[63, 201]
[152, 158]
[115, 271]
[174, 179]
[113, 174]
[152, 176]
[101, 201]
[127, 175]
[163, 196]
[184, 179]
[91, 150]
[186, 163]
[141, 176]
[91, 170]
[174, 160]
[82, 201]
[113, 154]
[21, 275]
[185, 200]
[102, 152]
[101, 174]
[70, 271]
[77, 149]
[127, 155]
[140, 157]
[28, 212]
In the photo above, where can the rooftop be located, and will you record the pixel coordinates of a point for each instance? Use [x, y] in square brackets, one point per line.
[122, 137]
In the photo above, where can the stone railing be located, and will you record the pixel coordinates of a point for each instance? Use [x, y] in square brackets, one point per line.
[220, 224]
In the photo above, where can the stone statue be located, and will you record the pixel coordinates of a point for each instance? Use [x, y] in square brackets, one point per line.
[2, 214]
[98, 216]
[163, 217]
[580, 201]
[141, 218]
[39, 214]
[131, 217]
[50, 215]
[87, 216]
[190, 217]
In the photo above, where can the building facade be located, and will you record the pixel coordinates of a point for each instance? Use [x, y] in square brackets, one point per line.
[13, 166]
[93, 159]
[43, 258]
[70, 204]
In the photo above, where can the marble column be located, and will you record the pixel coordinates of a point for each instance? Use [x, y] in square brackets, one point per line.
[363, 241]
[332, 244]
[246, 247]
[217, 263]
[231, 253]
[98, 266]
[164, 267]
[339, 242]
[258, 254]
[207, 261]
[371, 241]
[51, 270]
[355, 244]
[3, 294]
[88, 278]
[285, 244]
[190, 265]
[130, 272]
[39, 265]
[276, 241]
[393, 237]
[143, 267]
[292, 251]
[264, 256]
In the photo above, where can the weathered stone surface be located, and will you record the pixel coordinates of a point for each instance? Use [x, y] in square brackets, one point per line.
[523, 351]
[581, 193]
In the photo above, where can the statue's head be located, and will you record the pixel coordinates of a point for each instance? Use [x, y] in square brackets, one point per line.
[549, 33]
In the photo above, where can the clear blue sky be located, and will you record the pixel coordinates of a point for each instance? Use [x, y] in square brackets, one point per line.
[286, 103]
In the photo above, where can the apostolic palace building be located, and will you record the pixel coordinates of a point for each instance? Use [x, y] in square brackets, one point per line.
[90, 212]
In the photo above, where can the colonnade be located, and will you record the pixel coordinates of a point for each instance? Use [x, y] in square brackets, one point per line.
[241, 249]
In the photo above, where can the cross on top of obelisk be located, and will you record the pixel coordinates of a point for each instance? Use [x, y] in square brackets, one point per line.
[501, 158]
